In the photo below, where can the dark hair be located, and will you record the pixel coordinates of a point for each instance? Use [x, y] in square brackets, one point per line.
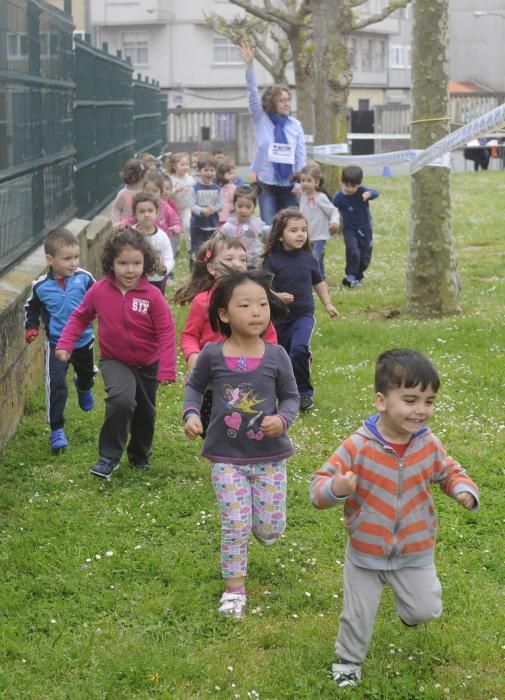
[352, 175]
[128, 238]
[205, 160]
[249, 191]
[224, 290]
[59, 238]
[201, 280]
[224, 167]
[404, 368]
[157, 178]
[270, 95]
[133, 171]
[279, 224]
[313, 171]
[142, 197]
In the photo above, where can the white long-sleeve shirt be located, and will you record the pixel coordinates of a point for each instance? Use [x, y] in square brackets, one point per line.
[161, 244]
[320, 213]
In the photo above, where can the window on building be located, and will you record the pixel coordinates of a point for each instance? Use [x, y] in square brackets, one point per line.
[399, 56]
[17, 45]
[224, 51]
[136, 47]
[367, 55]
[380, 55]
[353, 55]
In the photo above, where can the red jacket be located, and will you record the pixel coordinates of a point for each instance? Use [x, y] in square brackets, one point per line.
[134, 327]
[197, 331]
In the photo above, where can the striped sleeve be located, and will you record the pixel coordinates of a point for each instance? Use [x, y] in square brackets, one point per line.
[452, 478]
[342, 459]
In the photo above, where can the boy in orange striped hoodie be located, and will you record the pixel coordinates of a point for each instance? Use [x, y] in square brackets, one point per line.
[382, 474]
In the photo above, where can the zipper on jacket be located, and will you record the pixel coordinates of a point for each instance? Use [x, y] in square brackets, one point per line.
[398, 512]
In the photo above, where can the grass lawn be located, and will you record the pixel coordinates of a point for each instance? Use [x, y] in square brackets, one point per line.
[111, 590]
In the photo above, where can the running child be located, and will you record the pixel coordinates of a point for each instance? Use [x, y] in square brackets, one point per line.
[242, 222]
[213, 259]
[382, 475]
[168, 197]
[225, 173]
[322, 216]
[167, 219]
[296, 271]
[150, 162]
[136, 335]
[133, 176]
[206, 203]
[177, 166]
[146, 211]
[352, 203]
[53, 298]
[254, 401]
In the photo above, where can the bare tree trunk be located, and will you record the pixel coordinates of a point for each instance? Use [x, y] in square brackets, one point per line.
[332, 24]
[432, 281]
[304, 104]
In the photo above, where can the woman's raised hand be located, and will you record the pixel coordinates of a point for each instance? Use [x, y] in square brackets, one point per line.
[246, 52]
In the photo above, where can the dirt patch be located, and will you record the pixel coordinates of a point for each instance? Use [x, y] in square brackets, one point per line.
[384, 314]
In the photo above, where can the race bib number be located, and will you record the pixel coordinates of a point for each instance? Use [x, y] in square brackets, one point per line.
[281, 153]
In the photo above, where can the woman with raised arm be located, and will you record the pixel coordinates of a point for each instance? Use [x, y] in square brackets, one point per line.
[280, 142]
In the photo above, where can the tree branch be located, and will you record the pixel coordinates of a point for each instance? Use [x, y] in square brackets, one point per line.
[285, 20]
[243, 27]
[379, 16]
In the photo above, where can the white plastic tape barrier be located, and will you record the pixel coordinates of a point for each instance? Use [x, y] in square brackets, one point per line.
[436, 155]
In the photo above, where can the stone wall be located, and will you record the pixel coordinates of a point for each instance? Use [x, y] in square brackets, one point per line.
[22, 365]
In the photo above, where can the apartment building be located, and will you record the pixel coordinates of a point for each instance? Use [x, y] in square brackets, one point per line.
[169, 41]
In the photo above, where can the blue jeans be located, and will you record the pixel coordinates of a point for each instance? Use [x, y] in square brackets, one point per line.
[318, 250]
[273, 198]
[294, 336]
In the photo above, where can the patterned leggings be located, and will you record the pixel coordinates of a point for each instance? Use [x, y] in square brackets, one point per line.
[251, 497]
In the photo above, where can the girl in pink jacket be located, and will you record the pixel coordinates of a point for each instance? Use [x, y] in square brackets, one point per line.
[136, 335]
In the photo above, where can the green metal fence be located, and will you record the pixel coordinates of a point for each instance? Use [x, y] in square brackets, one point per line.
[70, 116]
[103, 125]
[36, 140]
[147, 116]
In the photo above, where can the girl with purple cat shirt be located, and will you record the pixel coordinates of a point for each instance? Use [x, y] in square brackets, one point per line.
[254, 401]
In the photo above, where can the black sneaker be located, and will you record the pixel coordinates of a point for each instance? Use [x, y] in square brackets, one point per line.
[139, 462]
[346, 675]
[306, 403]
[104, 468]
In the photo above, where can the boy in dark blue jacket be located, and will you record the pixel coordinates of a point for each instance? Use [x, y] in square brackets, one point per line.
[352, 203]
[54, 296]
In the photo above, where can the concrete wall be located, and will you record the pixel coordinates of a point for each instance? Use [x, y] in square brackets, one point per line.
[22, 365]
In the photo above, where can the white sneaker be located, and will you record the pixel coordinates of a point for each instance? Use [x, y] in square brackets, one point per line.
[263, 542]
[346, 675]
[233, 604]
